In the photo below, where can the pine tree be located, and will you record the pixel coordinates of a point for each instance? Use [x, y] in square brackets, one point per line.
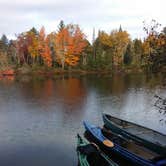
[3, 43]
[138, 50]
[120, 29]
[61, 25]
[128, 55]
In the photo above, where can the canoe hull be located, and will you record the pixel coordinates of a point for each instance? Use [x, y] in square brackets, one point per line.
[117, 150]
[82, 159]
[115, 128]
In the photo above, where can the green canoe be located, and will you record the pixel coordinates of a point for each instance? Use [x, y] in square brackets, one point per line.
[90, 155]
[149, 138]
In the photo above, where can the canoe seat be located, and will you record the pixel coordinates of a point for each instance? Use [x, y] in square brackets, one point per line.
[158, 143]
[108, 143]
[87, 149]
[143, 132]
[126, 127]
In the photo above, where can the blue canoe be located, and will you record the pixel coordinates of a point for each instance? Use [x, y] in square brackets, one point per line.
[115, 148]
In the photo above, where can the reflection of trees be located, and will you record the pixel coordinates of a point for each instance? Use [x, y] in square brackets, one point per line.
[36, 89]
[71, 92]
[6, 85]
[48, 90]
[65, 93]
[7, 79]
[119, 84]
[116, 85]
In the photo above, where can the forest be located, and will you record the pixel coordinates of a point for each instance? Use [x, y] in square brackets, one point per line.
[68, 49]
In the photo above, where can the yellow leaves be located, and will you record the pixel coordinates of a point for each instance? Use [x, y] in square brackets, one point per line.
[121, 38]
[146, 47]
[153, 43]
[44, 49]
[105, 39]
[64, 47]
[117, 41]
[33, 48]
[161, 41]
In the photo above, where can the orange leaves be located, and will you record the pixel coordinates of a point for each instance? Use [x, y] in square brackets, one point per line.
[33, 46]
[47, 55]
[70, 44]
[44, 49]
[64, 47]
[72, 60]
[78, 41]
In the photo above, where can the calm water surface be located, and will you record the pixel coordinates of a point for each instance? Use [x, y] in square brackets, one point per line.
[39, 118]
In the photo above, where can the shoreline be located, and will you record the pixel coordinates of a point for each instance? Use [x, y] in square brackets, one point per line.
[57, 72]
[51, 72]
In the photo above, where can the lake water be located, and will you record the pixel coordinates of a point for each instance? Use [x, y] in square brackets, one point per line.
[40, 117]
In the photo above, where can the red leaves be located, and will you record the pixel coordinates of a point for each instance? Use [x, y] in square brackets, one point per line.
[66, 46]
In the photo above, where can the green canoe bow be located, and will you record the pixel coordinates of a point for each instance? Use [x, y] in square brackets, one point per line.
[83, 158]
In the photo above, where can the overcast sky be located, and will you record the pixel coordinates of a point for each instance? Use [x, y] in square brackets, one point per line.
[20, 15]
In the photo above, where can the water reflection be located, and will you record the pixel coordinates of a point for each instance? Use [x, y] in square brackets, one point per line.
[7, 79]
[160, 104]
[70, 93]
[124, 96]
[49, 112]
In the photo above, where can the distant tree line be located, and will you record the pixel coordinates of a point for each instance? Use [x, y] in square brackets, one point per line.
[68, 48]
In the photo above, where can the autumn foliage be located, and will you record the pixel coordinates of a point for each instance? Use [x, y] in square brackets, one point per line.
[44, 50]
[65, 46]
[70, 43]
[116, 42]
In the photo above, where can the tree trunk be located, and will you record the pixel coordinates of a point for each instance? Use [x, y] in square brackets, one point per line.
[84, 59]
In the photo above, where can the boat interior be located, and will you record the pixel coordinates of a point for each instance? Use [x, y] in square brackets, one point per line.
[130, 145]
[139, 131]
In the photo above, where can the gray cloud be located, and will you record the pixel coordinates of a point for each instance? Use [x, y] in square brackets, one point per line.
[17, 16]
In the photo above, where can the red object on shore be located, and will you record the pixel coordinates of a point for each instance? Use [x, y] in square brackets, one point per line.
[9, 72]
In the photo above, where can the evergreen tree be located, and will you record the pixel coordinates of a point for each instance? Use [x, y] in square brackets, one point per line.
[4, 39]
[138, 50]
[120, 29]
[3, 43]
[34, 30]
[61, 25]
[128, 55]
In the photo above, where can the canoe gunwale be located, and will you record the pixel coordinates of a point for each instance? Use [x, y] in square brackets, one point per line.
[81, 158]
[132, 123]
